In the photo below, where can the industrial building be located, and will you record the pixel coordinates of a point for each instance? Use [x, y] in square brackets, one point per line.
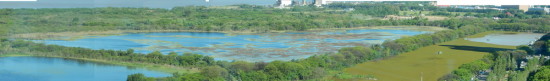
[525, 8]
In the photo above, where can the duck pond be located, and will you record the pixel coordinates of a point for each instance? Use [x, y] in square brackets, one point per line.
[508, 38]
[252, 47]
[60, 69]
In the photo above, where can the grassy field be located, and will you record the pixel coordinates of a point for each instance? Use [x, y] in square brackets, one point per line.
[425, 63]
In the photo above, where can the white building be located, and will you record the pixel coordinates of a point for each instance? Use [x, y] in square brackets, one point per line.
[284, 3]
[319, 3]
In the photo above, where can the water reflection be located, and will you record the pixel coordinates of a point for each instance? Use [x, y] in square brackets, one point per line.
[60, 69]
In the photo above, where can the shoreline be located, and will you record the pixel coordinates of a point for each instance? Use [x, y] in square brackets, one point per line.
[68, 36]
[169, 69]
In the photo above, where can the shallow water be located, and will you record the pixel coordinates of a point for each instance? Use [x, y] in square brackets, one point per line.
[59, 69]
[510, 39]
[247, 47]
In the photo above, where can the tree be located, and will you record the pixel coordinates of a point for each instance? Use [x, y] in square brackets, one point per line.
[138, 77]
[475, 66]
[193, 77]
[215, 72]
[542, 75]
[242, 65]
[449, 77]
[464, 74]
[155, 56]
[3, 31]
[526, 48]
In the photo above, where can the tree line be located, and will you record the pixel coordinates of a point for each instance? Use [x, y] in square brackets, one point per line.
[39, 49]
[243, 18]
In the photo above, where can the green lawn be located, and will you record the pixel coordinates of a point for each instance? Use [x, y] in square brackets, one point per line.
[425, 62]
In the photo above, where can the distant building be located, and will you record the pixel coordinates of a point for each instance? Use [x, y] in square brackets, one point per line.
[433, 3]
[284, 3]
[522, 64]
[319, 3]
[443, 6]
[496, 18]
[547, 10]
[349, 9]
[525, 8]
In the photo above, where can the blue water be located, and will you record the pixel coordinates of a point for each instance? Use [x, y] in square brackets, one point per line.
[247, 47]
[59, 69]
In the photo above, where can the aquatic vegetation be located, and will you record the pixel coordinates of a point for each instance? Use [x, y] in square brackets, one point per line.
[249, 46]
[185, 36]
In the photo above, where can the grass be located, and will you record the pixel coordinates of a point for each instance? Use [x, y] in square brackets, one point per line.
[13, 55]
[425, 62]
[148, 66]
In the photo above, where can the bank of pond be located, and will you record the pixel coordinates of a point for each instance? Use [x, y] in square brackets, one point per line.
[28, 68]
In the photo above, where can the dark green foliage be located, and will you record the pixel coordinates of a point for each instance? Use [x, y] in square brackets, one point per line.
[215, 73]
[369, 9]
[542, 46]
[450, 77]
[191, 77]
[464, 74]
[139, 77]
[526, 49]
[542, 74]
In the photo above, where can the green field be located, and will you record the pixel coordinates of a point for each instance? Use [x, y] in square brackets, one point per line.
[425, 63]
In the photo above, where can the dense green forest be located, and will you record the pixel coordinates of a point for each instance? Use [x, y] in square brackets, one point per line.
[262, 19]
[242, 18]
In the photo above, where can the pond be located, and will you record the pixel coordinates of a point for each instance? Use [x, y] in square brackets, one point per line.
[510, 39]
[242, 46]
[59, 69]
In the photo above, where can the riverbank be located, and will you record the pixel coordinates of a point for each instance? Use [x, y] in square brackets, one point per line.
[94, 34]
[154, 67]
[425, 62]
